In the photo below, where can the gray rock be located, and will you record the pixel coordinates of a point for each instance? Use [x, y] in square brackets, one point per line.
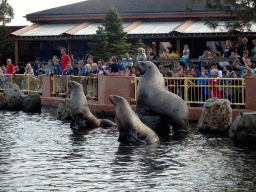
[63, 111]
[243, 129]
[32, 103]
[216, 116]
[14, 97]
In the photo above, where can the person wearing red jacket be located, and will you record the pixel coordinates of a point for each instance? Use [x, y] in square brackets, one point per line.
[9, 69]
[64, 58]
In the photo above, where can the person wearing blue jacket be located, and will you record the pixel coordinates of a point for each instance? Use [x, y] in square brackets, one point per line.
[37, 67]
[57, 69]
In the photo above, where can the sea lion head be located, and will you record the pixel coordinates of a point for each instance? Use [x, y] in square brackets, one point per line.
[74, 85]
[144, 65]
[115, 99]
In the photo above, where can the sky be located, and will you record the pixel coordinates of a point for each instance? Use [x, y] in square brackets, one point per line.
[23, 7]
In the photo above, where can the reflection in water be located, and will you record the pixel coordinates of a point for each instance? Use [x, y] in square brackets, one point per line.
[39, 152]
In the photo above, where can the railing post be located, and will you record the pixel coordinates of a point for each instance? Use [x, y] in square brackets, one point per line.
[250, 93]
[186, 89]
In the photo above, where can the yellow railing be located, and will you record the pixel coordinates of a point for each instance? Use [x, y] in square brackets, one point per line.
[26, 83]
[60, 85]
[197, 90]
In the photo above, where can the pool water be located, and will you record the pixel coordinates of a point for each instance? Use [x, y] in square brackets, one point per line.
[40, 153]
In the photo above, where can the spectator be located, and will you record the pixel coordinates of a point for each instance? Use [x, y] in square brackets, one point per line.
[141, 54]
[88, 61]
[215, 66]
[182, 70]
[114, 68]
[203, 91]
[68, 70]
[28, 70]
[214, 91]
[193, 94]
[127, 60]
[229, 93]
[193, 73]
[127, 70]
[243, 46]
[239, 42]
[57, 69]
[64, 58]
[205, 55]
[37, 67]
[75, 69]
[247, 73]
[3, 69]
[186, 53]
[49, 68]
[94, 69]
[228, 49]
[9, 69]
[86, 85]
[54, 58]
[254, 47]
[150, 54]
[81, 68]
[16, 70]
[133, 72]
[247, 63]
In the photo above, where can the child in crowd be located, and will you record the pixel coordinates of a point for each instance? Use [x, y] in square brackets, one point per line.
[94, 68]
[185, 56]
[115, 68]
[68, 70]
[127, 70]
[75, 69]
[87, 86]
[3, 69]
[28, 70]
[49, 68]
[57, 70]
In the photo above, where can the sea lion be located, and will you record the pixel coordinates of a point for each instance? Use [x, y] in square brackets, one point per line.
[131, 129]
[153, 99]
[80, 110]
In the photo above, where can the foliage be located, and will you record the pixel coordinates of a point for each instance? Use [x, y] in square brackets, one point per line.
[172, 55]
[116, 37]
[244, 10]
[6, 45]
[98, 45]
[6, 12]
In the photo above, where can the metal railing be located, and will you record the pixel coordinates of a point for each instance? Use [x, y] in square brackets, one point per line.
[60, 85]
[195, 91]
[26, 83]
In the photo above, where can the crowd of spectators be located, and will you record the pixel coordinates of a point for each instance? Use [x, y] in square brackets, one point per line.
[205, 69]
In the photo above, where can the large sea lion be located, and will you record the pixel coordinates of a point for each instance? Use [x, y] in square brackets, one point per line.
[153, 99]
[80, 111]
[131, 129]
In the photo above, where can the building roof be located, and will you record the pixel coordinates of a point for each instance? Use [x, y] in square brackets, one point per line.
[124, 7]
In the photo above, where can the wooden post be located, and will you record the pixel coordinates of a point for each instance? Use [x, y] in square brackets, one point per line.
[16, 53]
[157, 48]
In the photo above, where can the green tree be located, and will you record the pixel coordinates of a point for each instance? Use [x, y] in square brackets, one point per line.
[244, 10]
[6, 44]
[6, 12]
[98, 45]
[117, 38]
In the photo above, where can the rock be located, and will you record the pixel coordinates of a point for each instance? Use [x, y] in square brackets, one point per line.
[14, 97]
[216, 116]
[63, 111]
[157, 123]
[3, 104]
[243, 129]
[32, 103]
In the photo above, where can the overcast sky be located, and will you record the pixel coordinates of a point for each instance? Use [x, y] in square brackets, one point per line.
[23, 7]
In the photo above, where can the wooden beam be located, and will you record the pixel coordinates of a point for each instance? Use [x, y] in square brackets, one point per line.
[178, 46]
[78, 28]
[185, 25]
[132, 26]
[26, 29]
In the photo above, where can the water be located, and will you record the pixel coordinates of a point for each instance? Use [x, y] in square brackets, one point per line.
[39, 152]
